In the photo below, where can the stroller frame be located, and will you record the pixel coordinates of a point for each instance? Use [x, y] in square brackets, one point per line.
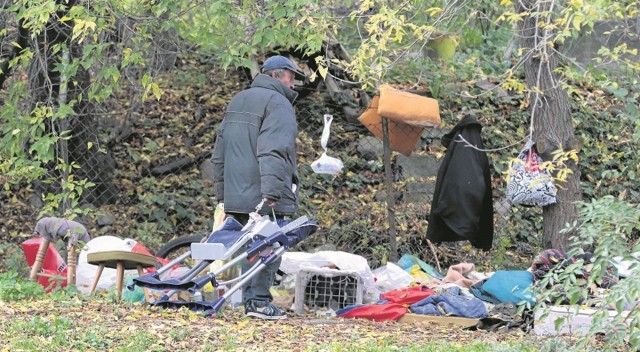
[262, 238]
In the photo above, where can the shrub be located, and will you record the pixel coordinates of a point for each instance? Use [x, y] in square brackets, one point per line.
[607, 228]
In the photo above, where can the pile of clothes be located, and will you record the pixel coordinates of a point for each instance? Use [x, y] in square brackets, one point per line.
[492, 298]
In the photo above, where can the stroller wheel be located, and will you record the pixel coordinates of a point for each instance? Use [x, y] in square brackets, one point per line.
[178, 246]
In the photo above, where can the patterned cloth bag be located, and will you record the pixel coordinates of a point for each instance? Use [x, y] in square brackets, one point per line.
[528, 184]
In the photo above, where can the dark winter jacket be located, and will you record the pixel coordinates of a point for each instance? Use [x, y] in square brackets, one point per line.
[255, 152]
[462, 206]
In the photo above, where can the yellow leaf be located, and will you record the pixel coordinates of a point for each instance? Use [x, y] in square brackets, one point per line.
[156, 90]
[242, 324]
[577, 21]
[435, 10]
[323, 71]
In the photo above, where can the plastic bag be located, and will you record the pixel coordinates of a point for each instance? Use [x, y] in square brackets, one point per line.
[408, 261]
[529, 184]
[137, 295]
[326, 164]
[218, 217]
[391, 277]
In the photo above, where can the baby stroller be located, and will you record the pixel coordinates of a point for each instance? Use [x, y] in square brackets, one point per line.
[261, 238]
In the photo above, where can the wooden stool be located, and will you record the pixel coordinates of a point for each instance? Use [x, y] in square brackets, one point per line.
[72, 262]
[121, 261]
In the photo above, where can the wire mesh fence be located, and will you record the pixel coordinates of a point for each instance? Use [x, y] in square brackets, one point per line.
[153, 185]
[152, 177]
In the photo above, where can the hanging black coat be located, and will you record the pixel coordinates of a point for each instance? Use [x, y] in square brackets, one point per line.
[462, 207]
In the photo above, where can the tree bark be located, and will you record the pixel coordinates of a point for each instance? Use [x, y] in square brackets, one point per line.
[550, 111]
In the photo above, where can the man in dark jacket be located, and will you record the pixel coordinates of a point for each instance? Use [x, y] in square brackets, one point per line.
[254, 160]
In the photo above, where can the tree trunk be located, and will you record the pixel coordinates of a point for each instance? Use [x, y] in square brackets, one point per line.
[550, 111]
[45, 88]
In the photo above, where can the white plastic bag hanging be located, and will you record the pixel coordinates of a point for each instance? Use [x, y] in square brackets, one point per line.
[326, 164]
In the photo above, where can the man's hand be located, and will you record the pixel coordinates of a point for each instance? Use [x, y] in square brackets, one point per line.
[269, 202]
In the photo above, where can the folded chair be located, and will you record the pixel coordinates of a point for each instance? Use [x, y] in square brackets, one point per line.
[261, 240]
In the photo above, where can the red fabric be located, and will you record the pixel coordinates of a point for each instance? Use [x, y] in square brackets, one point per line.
[138, 248]
[408, 295]
[377, 312]
[531, 164]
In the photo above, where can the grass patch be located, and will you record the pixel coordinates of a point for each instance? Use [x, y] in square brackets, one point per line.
[435, 346]
[14, 287]
[66, 320]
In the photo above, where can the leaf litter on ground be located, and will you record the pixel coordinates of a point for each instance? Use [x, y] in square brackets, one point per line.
[136, 325]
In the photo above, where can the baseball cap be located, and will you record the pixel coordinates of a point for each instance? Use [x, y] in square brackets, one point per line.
[276, 62]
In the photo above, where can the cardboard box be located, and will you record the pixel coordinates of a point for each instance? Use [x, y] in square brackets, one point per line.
[408, 108]
[402, 137]
[434, 319]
